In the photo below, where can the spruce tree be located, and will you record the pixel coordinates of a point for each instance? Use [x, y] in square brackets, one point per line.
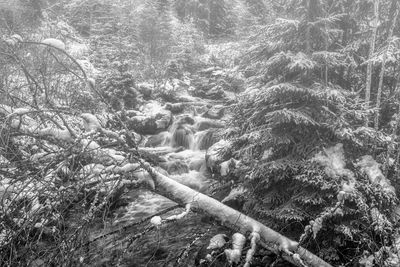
[301, 105]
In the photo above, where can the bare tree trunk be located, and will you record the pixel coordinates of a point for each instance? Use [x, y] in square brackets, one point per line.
[371, 53]
[308, 29]
[379, 94]
[326, 39]
[391, 146]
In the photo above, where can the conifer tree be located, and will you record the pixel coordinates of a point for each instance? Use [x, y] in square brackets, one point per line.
[383, 68]
[301, 105]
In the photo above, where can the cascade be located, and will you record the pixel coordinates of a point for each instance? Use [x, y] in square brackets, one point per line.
[182, 148]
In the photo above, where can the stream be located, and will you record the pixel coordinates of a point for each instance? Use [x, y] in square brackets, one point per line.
[181, 150]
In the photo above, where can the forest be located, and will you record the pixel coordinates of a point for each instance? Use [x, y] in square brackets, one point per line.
[199, 133]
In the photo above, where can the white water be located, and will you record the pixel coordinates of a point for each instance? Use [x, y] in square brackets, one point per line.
[189, 163]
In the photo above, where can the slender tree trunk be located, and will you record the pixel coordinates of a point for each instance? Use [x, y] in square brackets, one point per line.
[379, 94]
[391, 146]
[371, 53]
[326, 39]
[308, 30]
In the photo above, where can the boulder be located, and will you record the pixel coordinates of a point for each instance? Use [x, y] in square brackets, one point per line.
[149, 125]
[154, 120]
[209, 71]
[185, 119]
[175, 107]
[157, 140]
[215, 93]
[218, 153]
[227, 167]
[130, 113]
[209, 124]
[215, 112]
[185, 98]
[201, 109]
[145, 89]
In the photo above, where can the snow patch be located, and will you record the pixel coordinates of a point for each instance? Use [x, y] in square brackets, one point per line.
[63, 135]
[334, 162]
[90, 122]
[235, 193]
[54, 43]
[217, 241]
[78, 50]
[233, 255]
[371, 168]
[5, 110]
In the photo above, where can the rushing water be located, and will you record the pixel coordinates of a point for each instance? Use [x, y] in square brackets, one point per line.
[182, 149]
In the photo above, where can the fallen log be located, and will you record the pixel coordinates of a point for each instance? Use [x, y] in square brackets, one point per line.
[274, 241]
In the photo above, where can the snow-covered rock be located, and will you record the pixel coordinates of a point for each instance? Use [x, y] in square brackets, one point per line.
[208, 124]
[218, 153]
[146, 89]
[215, 112]
[227, 166]
[158, 139]
[175, 107]
[155, 119]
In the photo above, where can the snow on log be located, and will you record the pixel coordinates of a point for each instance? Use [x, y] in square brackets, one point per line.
[156, 221]
[54, 43]
[90, 122]
[17, 37]
[217, 241]
[181, 215]
[254, 239]
[89, 145]
[227, 215]
[63, 135]
[20, 112]
[233, 255]
[5, 110]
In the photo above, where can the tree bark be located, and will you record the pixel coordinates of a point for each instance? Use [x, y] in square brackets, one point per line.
[379, 94]
[184, 195]
[371, 53]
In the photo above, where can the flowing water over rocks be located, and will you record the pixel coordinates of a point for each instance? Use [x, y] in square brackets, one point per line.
[181, 150]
